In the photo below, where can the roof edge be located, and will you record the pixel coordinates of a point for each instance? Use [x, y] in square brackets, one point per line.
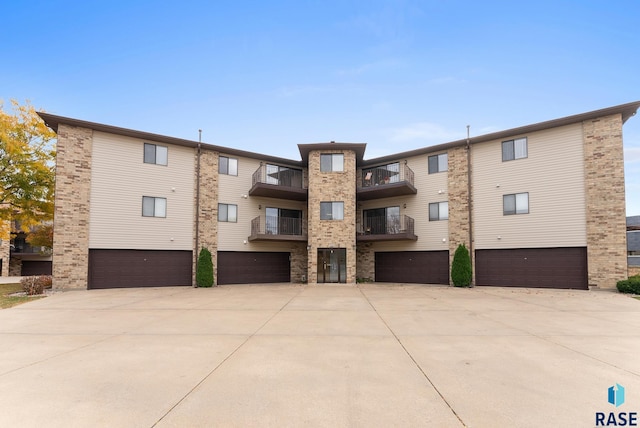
[54, 121]
[626, 110]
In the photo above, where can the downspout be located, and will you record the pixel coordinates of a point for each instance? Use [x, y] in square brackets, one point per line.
[469, 205]
[198, 200]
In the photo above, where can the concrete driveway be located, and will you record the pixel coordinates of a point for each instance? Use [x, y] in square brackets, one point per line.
[333, 356]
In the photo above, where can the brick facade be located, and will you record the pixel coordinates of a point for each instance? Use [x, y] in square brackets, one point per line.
[365, 268]
[605, 205]
[458, 190]
[208, 208]
[71, 216]
[633, 270]
[5, 247]
[332, 187]
[299, 263]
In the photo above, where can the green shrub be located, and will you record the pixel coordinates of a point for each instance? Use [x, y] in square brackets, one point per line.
[631, 285]
[204, 274]
[461, 267]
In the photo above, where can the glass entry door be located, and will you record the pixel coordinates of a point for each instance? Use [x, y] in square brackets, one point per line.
[332, 265]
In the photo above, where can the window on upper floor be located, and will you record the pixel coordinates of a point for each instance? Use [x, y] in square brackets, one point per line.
[514, 149]
[154, 207]
[155, 154]
[438, 211]
[438, 163]
[331, 210]
[228, 166]
[517, 203]
[332, 162]
[228, 213]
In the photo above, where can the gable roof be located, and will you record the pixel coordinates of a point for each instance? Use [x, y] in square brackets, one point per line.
[625, 110]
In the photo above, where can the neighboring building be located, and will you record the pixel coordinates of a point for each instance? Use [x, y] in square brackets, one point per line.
[536, 205]
[27, 259]
[633, 244]
[5, 247]
[19, 258]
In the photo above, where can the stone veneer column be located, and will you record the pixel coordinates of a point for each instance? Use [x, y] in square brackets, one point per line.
[5, 246]
[458, 191]
[605, 204]
[208, 212]
[299, 263]
[325, 187]
[71, 215]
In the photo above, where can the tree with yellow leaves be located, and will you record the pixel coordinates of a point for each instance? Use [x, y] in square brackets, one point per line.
[27, 166]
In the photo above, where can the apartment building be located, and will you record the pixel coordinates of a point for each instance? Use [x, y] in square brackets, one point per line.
[541, 205]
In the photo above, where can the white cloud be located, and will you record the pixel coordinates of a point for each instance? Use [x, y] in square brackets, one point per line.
[445, 80]
[426, 133]
[632, 154]
[369, 67]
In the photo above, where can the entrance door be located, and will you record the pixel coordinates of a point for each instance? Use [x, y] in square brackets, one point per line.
[332, 265]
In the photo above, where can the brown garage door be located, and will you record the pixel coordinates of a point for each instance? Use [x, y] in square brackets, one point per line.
[35, 267]
[139, 268]
[253, 267]
[533, 267]
[420, 267]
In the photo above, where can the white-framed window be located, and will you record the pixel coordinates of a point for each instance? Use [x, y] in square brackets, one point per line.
[331, 210]
[517, 203]
[228, 166]
[332, 162]
[153, 153]
[228, 213]
[514, 149]
[438, 163]
[438, 211]
[154, 207]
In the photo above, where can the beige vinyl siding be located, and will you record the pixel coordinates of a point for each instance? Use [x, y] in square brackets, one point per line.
[430, 233]
[552, 174]
[119, 180]
[232, 236]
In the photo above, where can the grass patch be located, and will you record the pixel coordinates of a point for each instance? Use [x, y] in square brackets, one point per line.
[7, 301]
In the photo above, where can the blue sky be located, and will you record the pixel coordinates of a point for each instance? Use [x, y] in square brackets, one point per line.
[265, 76]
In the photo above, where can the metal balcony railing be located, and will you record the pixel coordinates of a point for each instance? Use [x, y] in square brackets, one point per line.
[387, 174]
[388, 225]
[278, 176]
[276, 226]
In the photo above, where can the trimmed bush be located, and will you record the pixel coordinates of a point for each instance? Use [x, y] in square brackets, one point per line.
[461, 267]
[32, 285]
[631, 285]
[204, 275]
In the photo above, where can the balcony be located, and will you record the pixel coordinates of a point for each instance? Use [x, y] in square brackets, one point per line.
[388, 228]
[273, 181]
[272, 228]
[386, 181]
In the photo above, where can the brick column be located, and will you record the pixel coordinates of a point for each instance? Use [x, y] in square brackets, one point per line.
[458, 190]
[5, 248]
[332, 186]
[605, 204]
[71, 215]
[208, 212]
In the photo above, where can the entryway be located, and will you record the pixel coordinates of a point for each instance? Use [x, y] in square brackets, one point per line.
[332, 265]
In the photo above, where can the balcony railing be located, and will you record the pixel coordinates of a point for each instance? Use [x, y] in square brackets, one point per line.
[274, 228]
[278, 182]
[387, 228]
[386, 181]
